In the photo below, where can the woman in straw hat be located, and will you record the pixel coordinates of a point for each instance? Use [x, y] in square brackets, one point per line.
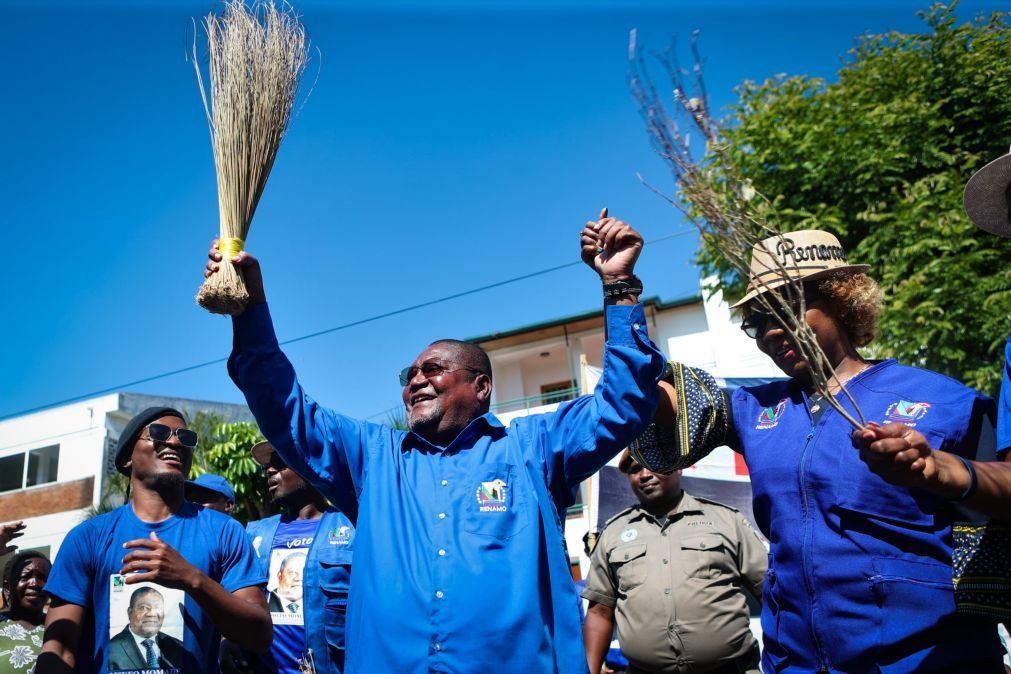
[860, 570]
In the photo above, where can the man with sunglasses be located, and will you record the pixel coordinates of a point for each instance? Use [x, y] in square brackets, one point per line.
[196, 554]
[460, 547]
[306, 554]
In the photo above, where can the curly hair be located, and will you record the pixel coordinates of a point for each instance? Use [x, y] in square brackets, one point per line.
[855, 300]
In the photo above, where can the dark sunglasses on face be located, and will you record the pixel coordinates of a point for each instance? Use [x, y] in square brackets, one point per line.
[162, 433]
[275, 462]
[429, 370]
[757, 322]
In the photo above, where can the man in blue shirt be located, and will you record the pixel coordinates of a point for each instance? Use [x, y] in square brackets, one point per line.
[305, 553]
[211, 491]
[197, 561]
[460, 561]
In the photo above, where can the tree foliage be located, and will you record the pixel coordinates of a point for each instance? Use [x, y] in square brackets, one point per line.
[880, 157]
[224, 449]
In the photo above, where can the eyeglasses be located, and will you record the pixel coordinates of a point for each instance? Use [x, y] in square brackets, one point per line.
[757, 322]
[162, 433]
[429, 370]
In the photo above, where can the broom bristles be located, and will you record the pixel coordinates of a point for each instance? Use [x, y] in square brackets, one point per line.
[257, 56]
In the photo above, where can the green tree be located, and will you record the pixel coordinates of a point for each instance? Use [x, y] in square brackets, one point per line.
[880, 157]
[224, 450]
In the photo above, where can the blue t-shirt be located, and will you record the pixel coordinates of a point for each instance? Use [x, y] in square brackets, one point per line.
[145, 626]
[284, 592]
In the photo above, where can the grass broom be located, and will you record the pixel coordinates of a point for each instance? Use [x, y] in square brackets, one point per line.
[256, 58]
[731, 216]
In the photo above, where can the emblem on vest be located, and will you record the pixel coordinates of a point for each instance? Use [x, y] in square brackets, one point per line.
[340, 536]
[770, 416]
[629, 535]
[491, 496]
[906, 412]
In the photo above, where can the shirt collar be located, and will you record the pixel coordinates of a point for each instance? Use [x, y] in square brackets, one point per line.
[687, 504]
[486, 424]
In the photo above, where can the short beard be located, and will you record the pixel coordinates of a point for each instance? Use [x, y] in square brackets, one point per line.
[167, 481]
[430, 421]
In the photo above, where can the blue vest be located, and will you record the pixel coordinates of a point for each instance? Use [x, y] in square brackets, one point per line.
[859, 569]
[326, 581]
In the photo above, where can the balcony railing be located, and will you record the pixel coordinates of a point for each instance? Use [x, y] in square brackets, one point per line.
[536, 400]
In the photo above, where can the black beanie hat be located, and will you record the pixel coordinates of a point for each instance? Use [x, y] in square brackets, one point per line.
[128, 438]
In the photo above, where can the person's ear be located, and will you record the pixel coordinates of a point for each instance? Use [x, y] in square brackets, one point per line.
[483, 384]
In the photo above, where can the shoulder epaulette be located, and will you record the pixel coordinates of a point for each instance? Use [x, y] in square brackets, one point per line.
[619, 514]
[703, 499]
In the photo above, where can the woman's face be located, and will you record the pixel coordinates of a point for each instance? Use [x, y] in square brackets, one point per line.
[27, 595]
[776, 343]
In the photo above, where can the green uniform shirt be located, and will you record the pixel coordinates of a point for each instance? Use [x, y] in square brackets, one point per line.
[677, 588]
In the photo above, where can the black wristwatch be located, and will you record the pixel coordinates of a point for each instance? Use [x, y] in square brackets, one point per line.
[633, 286]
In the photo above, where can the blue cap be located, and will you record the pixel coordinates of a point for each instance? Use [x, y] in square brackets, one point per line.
[214, 483]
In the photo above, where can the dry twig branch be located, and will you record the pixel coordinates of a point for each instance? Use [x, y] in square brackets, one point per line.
[256, 58]
[730, 214]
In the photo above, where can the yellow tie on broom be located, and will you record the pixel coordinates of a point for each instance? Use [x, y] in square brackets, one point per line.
[256, 59]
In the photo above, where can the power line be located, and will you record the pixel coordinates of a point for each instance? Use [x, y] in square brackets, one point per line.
[318, 333]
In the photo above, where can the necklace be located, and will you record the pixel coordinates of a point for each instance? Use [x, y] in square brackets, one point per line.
[817, 399]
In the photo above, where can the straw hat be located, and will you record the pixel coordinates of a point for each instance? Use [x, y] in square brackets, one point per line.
[807, 255]
[987, 196]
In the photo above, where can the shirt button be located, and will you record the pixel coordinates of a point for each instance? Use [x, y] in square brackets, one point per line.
[438, 646]
[439, 594]
[702, 545]
[665, 561]
[635, 325]
[663, 533]
[442, 553]
[442, 516]
[667, 591]
[444, 483]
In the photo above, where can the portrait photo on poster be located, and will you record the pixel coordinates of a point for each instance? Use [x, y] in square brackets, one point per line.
[284, 586]
[145, 627]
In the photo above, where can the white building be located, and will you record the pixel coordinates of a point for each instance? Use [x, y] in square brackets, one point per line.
[54, 463]
[538, 366]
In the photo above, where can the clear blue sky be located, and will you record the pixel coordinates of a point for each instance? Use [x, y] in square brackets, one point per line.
[447, 145]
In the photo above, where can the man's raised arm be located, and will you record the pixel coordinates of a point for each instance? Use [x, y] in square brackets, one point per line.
[592, 429]
[323, 447]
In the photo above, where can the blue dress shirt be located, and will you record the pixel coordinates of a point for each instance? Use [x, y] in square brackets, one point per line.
[460, 561]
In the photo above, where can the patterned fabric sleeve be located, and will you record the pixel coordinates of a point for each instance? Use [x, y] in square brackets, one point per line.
[701, 423]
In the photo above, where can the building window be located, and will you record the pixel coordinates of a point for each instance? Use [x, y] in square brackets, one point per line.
[29, 469]
[12, 470]
[557, 392]
[43, 464]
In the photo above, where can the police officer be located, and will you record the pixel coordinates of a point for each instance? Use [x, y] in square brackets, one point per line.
[672, 570]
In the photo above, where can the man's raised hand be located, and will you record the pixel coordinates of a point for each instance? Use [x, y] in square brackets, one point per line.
[250, 267]
[610, 247]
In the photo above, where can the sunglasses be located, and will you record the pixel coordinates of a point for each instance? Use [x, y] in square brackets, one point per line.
[430, 370]
[757, 322]
[163, 433]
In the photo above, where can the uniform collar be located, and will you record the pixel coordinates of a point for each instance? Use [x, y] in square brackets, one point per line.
[687, 505]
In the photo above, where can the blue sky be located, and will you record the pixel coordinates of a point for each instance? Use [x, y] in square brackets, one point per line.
[446, 146]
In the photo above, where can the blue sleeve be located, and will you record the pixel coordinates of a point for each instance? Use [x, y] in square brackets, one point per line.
[583, 435]
[1004, 405]
[72, 577]
[326, 448]
[239, 566]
